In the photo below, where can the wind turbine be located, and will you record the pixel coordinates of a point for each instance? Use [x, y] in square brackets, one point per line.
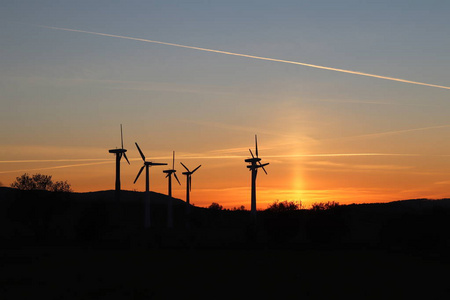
[119, 153]
[169, 175]
[255, 164]
[169, 202]
[188, 183]
[146, 165]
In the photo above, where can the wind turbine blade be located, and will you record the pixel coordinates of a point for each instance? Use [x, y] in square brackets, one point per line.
[174, 174]
[173, 161]
[140, 171]
[256, 146]
[184, 166]
[262, 166]
[121, 135]
[142, 154]
[196, 168]
[168, 174]
[126, 158]
[251, 153]
[264, 169]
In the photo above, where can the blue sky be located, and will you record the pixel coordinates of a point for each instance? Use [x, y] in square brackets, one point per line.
[68, 90]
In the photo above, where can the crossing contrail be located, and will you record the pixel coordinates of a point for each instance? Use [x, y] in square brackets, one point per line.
[251, 56]
[58, 167]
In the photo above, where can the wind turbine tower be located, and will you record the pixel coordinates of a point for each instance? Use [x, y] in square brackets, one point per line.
[146, 165]
[255, 164]
[119, 153]
[188, 183]
[170, 202]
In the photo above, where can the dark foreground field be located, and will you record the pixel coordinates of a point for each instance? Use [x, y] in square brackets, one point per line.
[91, 246]
[73, 273]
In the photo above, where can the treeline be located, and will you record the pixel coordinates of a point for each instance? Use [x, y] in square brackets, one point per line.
[282, 206]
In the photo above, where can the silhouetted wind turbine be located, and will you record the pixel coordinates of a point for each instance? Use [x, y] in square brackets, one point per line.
[119, 153]
[188, 183]
[169, 202]
[146, 165]
[169, 175]
[255, 164]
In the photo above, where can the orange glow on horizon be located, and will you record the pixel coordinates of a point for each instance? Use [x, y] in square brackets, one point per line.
[309, 180]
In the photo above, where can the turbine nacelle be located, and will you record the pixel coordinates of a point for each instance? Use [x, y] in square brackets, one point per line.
[253, 160]
[149, 163]
[257, 166]
[188, 171]
[188, 174]
[172, 171]
[146, 164]
[120, 150]
[117, 151]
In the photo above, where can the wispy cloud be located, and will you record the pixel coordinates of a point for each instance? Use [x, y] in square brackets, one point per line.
[215, 154]
[343, 155]
[393, 132]
[57, 167]
[334, 166]
[350, 101]
[128, 85]
[252, 130]
[253, 57]
[52, 160]
[446, 182]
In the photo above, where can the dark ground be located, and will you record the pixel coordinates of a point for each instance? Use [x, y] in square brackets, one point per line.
[89, 246]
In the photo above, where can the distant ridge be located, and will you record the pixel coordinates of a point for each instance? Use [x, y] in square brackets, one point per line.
[159, 198]
[96, 218]
[125, 196]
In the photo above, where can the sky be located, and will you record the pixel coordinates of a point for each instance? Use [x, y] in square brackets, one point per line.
[289, 71]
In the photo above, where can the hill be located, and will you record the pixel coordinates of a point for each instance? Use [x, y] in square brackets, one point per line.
[94, 246]
[103, 218]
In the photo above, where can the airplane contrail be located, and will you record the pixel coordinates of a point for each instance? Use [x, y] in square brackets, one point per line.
[251, 56]
[57, 167]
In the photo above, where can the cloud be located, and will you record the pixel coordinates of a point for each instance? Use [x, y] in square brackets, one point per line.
[341, 167]
[52, 160]
[57, 167]
[393, 132]
[252, 57]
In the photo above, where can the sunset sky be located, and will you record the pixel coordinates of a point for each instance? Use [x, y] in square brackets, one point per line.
[290, 74]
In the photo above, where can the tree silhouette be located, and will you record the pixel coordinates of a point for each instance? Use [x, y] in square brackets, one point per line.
[215, 206]
[40, 182]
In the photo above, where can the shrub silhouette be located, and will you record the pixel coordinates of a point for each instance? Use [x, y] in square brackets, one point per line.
[40, 182]
[240, 208]
[324, 206]
[282, 206]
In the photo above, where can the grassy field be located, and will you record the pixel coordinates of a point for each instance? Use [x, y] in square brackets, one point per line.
[89, 246]
[76, 273]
